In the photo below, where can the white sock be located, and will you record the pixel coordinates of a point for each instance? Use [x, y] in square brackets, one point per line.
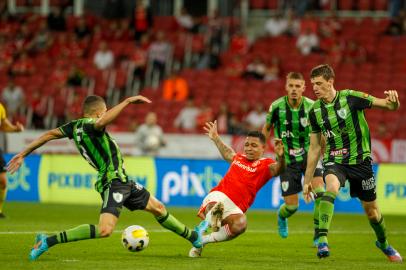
[208, 217]
[223, 234]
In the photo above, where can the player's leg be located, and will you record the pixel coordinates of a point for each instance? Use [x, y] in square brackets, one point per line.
[318, 188]
[285, 211]
[171, 223]
[3, 191]
[232, 226]
[377, 223]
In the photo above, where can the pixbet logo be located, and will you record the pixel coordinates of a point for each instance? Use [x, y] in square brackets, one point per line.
[18, 179]
[188, 183]
[397, 190]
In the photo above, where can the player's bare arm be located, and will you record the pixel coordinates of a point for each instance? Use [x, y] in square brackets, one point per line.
[312, 159]
[226, 152]
[7, 126]
[266, 130]
[280, 165]
[18, 159]
[390, 102]
[112, 114]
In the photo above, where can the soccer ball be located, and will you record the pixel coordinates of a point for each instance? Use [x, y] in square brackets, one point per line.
[135, 238]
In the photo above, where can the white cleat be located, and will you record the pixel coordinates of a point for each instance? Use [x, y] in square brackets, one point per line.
[217, 216]
[195, 252]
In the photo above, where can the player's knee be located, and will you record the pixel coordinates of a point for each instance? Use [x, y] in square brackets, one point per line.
[238, 227]
[3, 182]
[372, 214]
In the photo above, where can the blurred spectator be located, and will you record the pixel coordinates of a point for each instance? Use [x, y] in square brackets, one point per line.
[293, 24]
[307, 42]
[82, 30]
[239, 43]
[138, 58]
[215, 30]
[56, 20]
[256, 118]
[255, 70]
[354, 53]
[149, 136]
[23, 66]
[13, 98]
[223, 119]
[235, 68]
[142, 19]
[38, 105]
[76, 76]
[185, 20]
[396, 26]
[205, 115]
[335, 54]
[273, 71]
[104, 57]
[186, 119]
[42, 39]
[175, 87]
[159, 53]
[276, 25]
[209, 59]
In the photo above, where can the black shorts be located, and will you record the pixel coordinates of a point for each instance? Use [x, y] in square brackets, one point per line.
[360, 176]
[3, 163]
[291, 178]
[130, 194]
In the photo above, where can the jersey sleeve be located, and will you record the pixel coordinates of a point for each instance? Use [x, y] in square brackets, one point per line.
[359, 100]
[67, 129]
[3, 114]
[315, 128]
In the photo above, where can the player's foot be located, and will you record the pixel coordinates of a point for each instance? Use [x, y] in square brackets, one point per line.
[40, 247]
[2, 215]
[282, 226]
[392, 254]
[323, 250]
[195, 252]
[217, 216]
[200, 229]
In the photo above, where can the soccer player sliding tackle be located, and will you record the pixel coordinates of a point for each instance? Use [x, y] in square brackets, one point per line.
[224, 207]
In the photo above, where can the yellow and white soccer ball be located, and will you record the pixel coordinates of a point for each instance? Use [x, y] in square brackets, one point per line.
[135, 238]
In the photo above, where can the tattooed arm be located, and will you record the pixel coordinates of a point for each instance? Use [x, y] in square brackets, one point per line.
[226, 152]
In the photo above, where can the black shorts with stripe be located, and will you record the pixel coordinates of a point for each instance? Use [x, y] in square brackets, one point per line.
[3, 163]
[360, 176]
[291, 178]
[129, 194]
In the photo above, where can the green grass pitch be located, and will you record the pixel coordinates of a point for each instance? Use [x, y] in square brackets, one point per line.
[351, 240]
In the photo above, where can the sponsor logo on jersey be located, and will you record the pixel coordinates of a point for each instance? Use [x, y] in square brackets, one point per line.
[255, 163]
[304, 122]
[342, 113]
[296, 152]
[244, 167]
[118, 197]
[339, 152]
[285, 185]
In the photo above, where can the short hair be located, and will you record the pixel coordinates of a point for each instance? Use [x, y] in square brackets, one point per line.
[295, 76]
[91, 103]
[257, 134]
[324, 70]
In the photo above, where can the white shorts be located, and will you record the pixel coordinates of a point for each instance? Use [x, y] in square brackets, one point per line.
[216, 196]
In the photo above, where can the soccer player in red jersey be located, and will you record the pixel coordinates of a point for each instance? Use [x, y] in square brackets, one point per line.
[225, 205]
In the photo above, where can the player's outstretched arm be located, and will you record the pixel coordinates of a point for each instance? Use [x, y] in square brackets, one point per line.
[312, 158]
[226, 152]
[266, 130]
[18, 159]
[278, 167]
[7, 126]
[112, 114]
[390, 102]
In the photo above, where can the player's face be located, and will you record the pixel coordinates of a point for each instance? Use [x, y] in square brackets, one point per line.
[322, 87]
[295, 88]
[253, 148]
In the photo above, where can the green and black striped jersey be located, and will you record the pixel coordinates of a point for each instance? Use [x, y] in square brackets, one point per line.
[99, 149]
[343, 124]
[291, 125]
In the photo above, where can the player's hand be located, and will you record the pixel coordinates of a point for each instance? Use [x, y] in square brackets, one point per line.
[138, 99]
[15, 163]
[308, 194]
[19, 127]
[211, 129]
[392, 99]
[279, 148]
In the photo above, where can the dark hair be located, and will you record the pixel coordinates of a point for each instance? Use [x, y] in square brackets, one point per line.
[295, 76]
[324, 70]
[91, 103]
[258, 135]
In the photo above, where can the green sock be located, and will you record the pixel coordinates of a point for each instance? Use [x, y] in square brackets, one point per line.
[286, 211]
[319, 194]
[3, 193]
[171, 223]
[380, 231]
[326, 211]
[81, 232]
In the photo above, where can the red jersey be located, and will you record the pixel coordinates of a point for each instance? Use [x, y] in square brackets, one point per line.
[244, 179]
